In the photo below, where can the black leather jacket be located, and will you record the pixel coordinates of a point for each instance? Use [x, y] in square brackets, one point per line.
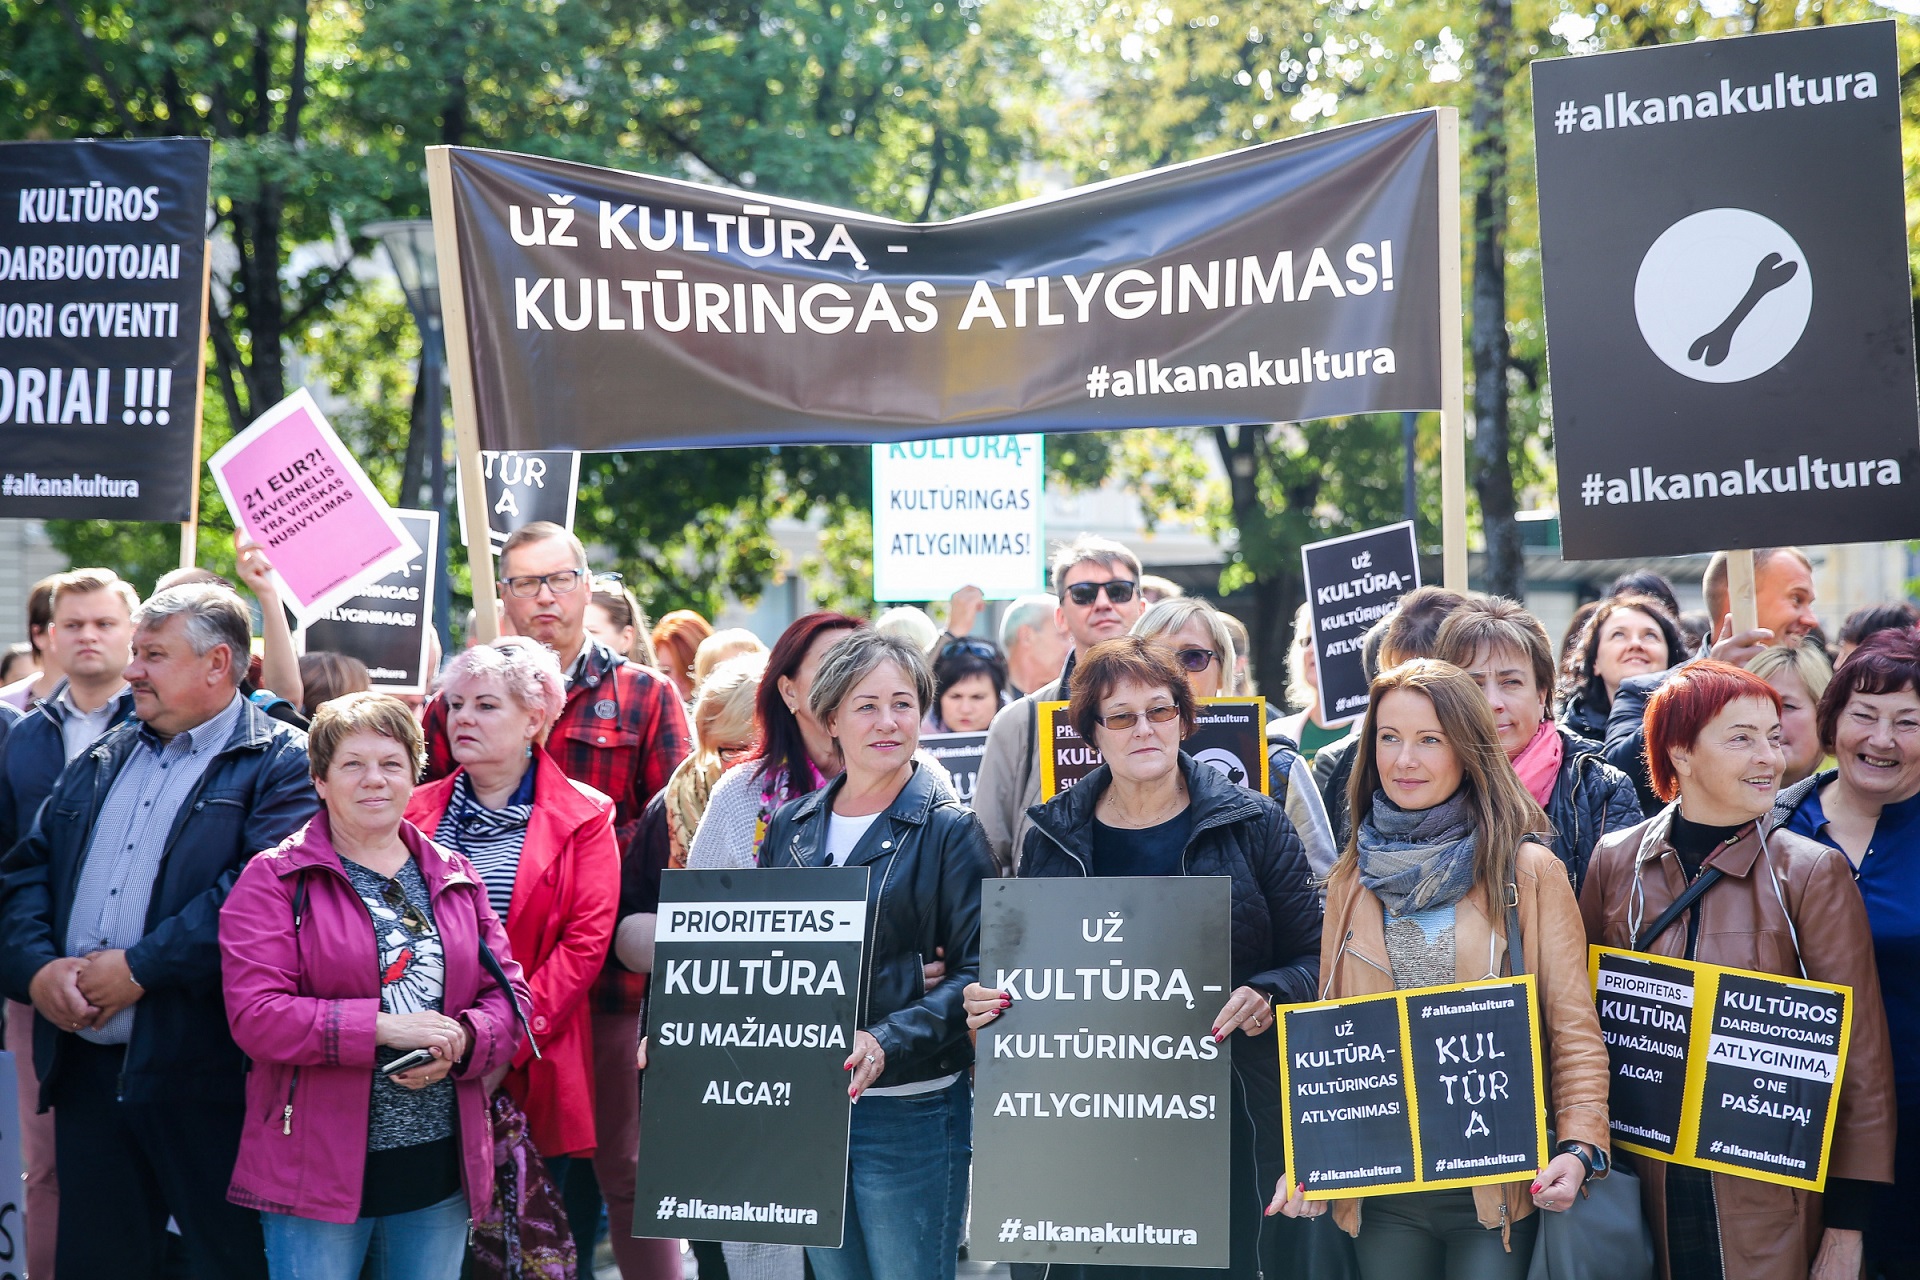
[1246, 837]
[926, 857]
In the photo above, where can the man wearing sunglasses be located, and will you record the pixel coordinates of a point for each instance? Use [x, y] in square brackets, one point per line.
[1097, 582]
[622, 732]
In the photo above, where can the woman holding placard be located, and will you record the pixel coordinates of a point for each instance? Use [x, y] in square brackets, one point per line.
[1713, 878]
[1150, 810]
[1441, 847]
[912, 1129]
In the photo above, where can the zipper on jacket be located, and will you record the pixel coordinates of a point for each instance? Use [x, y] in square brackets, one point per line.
[286, 1115]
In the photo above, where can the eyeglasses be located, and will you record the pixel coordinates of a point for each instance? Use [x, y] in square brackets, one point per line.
[1118, 590]
[1195, 659]
[1127, 719]
[412, 919]
[978, 648]
[559, 583]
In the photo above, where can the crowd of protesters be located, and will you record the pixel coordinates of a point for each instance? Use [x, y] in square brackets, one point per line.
[307, 980]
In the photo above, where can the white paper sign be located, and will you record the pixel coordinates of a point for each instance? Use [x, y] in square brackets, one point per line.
[955, 513]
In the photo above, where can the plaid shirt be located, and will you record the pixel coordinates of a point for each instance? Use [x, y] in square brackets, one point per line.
[623, 732]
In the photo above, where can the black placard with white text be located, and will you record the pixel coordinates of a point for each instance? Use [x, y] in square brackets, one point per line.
[1724, 248]
[1353, 582]
[389, 624]
[1772, 1078]
[1101, 1132]
[1229, 736]
[1350, 1103]
[102, 255]
[1646, 1018]
[523, 488]
[744, 1111]
[960, 754]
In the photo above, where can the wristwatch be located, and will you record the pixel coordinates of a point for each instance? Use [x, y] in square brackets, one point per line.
[1595, 1163]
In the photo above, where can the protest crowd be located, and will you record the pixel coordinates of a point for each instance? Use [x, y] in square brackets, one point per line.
[302, 976]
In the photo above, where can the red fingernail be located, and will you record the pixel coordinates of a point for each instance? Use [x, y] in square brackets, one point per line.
[1536, 1188]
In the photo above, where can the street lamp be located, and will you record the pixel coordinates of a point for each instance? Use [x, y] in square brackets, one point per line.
[409, 246]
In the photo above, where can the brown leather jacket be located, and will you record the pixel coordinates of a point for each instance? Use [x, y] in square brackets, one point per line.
[1767, 1231]
[1353, 962]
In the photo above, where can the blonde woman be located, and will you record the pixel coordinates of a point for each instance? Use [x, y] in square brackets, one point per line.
[723, 737]
[1442, 839]
[1799, 672]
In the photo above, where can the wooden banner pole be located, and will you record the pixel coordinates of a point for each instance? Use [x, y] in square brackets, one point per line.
[1740, 595]
[190, 531]
[1453, 378]
[466, 421]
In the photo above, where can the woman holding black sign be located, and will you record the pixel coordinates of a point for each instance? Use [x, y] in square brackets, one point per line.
[1151, 811]
[911, 1140]
[1440, 859]
[1715, 877]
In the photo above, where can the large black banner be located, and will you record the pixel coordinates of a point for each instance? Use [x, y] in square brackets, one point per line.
[1724, 240]
[1100, 1129]
[102, 246]
[744, 1108]
[609, 310]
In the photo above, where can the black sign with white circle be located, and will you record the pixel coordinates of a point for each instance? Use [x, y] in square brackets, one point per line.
[1728, 304]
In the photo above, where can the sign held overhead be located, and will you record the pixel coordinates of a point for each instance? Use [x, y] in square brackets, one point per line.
[1352, 583]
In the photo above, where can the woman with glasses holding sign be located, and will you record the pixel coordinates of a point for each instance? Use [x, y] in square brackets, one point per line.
[545, 850]
[369, 982]
[1441, 858]
[1715, 877]
[1150, 810]
[926, 855]
[1195, 634]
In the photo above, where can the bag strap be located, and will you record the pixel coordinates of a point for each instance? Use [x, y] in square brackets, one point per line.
[1701, 883]
[1516, 955]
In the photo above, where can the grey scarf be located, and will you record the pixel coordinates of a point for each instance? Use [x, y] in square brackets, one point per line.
[1413, 859]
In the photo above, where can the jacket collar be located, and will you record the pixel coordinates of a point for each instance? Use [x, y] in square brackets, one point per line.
[1790, 801]
[311, 847]
[914, 805]
[253, 730]
[1572, 745]
[1734, 858]
[561, 807]
[53, 709]
[1068, 818]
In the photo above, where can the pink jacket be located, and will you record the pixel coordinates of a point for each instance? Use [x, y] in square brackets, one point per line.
[302, 997]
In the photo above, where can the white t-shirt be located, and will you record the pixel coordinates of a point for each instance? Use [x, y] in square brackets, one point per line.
[843, 834]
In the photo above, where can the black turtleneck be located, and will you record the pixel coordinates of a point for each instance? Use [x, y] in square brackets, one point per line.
[1693, 841]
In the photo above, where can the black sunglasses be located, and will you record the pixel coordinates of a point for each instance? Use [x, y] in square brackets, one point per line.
[411, 918]
[1118, 590]
[978, 648]
[1195, 659]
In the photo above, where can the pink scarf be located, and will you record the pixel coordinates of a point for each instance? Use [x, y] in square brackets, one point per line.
[1538, 763]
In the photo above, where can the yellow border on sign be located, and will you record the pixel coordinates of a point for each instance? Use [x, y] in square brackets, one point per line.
[1048, 715]
[1412, 1094]
[1706, 995]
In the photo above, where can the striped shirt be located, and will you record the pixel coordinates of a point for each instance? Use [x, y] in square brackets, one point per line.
[489, 838]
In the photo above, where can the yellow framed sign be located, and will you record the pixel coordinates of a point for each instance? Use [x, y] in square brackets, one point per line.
[1229, 734]
[1415, 1090]
[1751, 1088]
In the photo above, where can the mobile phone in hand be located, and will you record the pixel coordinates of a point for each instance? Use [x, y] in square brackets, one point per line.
[406, 1062]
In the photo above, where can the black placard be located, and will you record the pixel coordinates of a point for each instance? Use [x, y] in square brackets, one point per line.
[1101, 1132]
[388, 625]
[750, 1017]
[1774, 1058]
[1352, 583]
[1646, 1018]
[960, 754]
[1473, 1056]
[1724, 246]
[1229, 736]
[1292, 280]
[523, 488]
[102, 255]
[1348, 1095]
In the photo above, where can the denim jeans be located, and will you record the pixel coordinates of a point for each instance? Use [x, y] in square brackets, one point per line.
[427, 1244]
[906, 1188]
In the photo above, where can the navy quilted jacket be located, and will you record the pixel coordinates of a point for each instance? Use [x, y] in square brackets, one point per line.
[1245, 836]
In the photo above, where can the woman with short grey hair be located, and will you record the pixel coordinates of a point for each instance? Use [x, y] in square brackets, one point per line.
[912, 1134]
[1195, 635]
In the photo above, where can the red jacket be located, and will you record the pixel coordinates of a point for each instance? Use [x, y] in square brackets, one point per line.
[560, 925]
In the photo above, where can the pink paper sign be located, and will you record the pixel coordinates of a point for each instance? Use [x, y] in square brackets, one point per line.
[293, 487]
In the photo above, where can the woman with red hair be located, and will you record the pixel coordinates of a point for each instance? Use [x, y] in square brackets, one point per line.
[676, 638]
[1749, 895]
